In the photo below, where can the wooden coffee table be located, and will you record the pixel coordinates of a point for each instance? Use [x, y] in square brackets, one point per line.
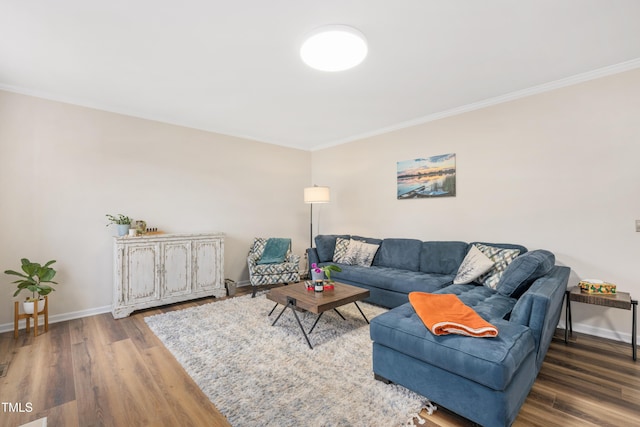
[296, 296]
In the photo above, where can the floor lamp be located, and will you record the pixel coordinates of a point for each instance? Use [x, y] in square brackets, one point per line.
[313, 195]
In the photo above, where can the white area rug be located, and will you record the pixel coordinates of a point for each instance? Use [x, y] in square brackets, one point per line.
[262, 375]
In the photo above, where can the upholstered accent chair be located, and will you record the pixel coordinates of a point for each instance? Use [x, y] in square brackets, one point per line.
[286, 272]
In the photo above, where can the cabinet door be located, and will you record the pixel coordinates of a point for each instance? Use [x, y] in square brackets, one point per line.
[176, 277]
[141, 273]
[208, 265]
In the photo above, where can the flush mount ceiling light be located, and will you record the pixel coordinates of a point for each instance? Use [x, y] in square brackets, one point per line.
[334, 48]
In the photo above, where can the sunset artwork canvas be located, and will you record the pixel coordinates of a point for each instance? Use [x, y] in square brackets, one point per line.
[426, 178]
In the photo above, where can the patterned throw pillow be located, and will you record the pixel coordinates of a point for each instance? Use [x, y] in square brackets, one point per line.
[473, 266]
[501, 259]
[360, 253]
[342, 245]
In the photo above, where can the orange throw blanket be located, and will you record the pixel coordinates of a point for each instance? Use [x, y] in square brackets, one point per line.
[445, 314]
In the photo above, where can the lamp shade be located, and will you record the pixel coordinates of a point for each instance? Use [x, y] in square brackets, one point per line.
[317, 194]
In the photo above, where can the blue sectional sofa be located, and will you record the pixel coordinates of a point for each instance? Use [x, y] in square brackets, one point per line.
[483, 379]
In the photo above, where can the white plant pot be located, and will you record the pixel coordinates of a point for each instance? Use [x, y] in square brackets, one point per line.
[27, 306]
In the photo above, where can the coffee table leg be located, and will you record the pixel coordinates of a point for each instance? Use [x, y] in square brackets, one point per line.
[339, 314]
[316, 322]
[300, 324]
[273, 309]
[365, 317]
[634, 328]
[277, 318]
[291, 305]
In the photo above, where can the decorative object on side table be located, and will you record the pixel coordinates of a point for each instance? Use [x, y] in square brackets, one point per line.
[34, 279]
[595, 286]
[122, 222]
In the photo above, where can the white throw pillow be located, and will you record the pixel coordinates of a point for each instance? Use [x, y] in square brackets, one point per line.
[473, 266]
[360, 253]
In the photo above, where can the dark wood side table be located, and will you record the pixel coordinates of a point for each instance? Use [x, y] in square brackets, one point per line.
[618, 300]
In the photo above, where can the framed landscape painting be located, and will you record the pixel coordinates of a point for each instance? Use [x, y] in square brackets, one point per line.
[426, 178]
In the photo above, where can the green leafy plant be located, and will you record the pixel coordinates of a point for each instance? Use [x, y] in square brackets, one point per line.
[327, 269]
[118, 219]
[34, 278]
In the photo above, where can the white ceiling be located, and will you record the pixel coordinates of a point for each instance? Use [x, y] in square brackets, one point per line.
[232, 66]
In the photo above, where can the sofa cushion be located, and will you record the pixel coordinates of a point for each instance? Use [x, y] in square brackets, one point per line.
[524, 270]
[475, 264]
[489, 304]
[326, 244]
[399, 253]
[402, 281]
[442, 257]
[501, 258]
[491, 362]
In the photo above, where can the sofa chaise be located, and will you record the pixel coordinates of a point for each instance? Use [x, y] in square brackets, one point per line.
[486, 380]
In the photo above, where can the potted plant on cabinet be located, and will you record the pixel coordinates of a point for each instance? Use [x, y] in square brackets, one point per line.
[121, 221]
[34, 279]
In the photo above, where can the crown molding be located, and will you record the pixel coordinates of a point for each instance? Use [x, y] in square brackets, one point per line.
[534, 90]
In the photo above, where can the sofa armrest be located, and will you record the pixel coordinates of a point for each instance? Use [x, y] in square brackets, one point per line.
[540, 306]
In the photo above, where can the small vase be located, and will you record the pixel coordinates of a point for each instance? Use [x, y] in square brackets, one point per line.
[316, 276]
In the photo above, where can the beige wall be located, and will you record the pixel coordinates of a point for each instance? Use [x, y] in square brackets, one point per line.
[63, 167]
[558, 170]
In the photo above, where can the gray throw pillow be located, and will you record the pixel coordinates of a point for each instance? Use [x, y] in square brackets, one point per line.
[523, 271]
[325, 246]
[339, 253]
[501, 259]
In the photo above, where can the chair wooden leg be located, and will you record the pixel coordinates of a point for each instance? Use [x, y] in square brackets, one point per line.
[253, 295]
[15, 319]
[46, 314]
[35, 318]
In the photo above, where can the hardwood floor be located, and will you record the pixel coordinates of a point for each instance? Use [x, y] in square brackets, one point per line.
[98, 371]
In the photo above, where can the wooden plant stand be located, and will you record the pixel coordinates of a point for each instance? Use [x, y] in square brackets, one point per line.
[17, 316]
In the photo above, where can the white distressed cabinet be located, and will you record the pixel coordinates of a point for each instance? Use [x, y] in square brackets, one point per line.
[162, 269]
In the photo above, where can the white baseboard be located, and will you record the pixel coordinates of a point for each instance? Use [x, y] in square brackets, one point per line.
[6, 327]
[599, 332]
